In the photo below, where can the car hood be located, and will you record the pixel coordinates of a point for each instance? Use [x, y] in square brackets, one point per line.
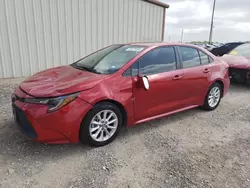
[60, 81]
[237, 61]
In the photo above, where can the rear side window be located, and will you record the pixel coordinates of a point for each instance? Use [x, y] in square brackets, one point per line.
[204, 58]
[158, 60]
[190, 57]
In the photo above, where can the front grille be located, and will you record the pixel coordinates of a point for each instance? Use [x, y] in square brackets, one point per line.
[23, 123]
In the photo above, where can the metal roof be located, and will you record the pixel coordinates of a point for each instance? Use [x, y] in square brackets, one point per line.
[160, 44]
[157, 2]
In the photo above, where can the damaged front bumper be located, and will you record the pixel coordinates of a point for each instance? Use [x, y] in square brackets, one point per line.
[239, 75]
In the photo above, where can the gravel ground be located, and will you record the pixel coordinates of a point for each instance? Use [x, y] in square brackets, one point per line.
[188, 149]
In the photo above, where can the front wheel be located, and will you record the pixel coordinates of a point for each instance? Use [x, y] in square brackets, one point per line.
[213, 97]
[101, 125]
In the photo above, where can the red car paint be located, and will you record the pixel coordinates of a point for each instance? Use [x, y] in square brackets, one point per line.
[169, 93]
[237, 61]
[60, 81]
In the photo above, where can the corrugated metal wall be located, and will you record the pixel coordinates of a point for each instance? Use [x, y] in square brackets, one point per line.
[39, 34]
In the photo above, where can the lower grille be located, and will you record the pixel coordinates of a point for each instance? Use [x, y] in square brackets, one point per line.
[23, 123]
[238, 75]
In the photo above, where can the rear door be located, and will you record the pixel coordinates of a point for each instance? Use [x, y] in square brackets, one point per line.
[196, 74]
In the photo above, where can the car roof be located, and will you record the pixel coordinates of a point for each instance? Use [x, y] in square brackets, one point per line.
[155, 44]
[235, 43]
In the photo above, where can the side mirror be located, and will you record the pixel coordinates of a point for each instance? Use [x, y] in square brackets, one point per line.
[145, 82]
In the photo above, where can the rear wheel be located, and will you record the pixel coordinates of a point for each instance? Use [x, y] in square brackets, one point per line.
[101, 125]
[213, 97]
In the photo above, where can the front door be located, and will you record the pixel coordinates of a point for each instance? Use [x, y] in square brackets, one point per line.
[164, 94]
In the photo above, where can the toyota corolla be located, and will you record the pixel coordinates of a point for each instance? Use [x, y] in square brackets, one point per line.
[120, 85]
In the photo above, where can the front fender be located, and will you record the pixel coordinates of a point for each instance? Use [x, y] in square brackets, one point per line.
[119, 91]
[97, 94]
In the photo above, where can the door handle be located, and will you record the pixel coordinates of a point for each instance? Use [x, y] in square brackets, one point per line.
[177, 77]
[206, 71]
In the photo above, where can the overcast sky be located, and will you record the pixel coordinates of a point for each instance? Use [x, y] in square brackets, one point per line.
[231, 21]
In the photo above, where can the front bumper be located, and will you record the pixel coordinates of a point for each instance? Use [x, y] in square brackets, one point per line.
[23, 123]
[239, 75]
[58, 127]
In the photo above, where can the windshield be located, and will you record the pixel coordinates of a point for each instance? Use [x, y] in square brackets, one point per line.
[110, 59]
[242, 50]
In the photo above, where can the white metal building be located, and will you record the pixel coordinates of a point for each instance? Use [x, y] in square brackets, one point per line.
[40, 34]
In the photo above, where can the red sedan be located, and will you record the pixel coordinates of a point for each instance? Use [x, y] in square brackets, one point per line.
[239, 63]
[120, 85]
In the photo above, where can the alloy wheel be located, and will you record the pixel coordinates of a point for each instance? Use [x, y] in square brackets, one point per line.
[103, 125]
[214, 96]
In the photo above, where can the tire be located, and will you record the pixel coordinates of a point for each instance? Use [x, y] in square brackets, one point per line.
[209, 105]
[94, 121]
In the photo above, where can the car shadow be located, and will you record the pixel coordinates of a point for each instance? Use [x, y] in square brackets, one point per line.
[13, 145]
[238, 87]
[159, 122]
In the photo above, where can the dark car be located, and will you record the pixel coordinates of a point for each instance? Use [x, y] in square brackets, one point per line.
[220, 51]
[239, 63]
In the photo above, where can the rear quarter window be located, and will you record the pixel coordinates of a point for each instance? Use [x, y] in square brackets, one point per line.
[205, 59]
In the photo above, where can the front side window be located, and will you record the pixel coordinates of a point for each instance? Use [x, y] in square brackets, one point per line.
[127, 72]
[242, 50]
[158, 60]
[133, 70]
[190, 57]
[110, 59]
[204, 58]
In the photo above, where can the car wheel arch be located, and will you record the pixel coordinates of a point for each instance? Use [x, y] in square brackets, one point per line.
[117, 104]
[221, 84]
[216, 81]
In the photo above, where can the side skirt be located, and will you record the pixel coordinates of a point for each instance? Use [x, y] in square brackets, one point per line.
[166, 114]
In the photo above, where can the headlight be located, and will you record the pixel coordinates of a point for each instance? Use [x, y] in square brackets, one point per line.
[53, 103]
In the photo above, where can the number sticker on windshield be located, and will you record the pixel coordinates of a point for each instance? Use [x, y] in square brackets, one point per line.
[134, 49]
[233, 52]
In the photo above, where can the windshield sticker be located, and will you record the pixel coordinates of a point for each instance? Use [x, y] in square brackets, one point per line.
[233, 52]
[134, 49]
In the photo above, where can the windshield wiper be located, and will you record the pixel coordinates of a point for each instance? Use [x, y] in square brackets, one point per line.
[92, 70]
[85, 68]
